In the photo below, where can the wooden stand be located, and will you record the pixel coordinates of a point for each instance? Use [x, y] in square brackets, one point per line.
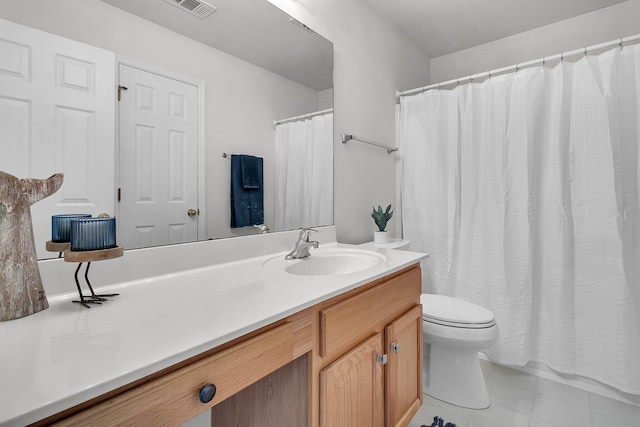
[59, 247]
[88, 257]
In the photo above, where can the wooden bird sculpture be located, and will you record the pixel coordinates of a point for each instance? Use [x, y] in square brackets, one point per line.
[21, 291]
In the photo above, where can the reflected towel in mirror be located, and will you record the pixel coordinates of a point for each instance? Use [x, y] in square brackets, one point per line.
[247, 190]
[251, 171]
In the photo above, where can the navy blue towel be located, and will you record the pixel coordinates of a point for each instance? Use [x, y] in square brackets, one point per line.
[247, 191]
[251, 171]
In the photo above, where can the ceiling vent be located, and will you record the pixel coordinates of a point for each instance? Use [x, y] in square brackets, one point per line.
[199, 8]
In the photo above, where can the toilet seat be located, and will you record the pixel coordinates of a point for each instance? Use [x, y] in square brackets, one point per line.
[453, 312]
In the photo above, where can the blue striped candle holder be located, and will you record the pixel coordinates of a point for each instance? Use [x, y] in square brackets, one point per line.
[61, 226]
[91, 234]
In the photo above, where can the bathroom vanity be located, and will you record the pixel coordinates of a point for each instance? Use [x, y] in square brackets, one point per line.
[285, 349]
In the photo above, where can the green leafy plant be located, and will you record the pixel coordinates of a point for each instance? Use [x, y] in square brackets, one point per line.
[381, 218]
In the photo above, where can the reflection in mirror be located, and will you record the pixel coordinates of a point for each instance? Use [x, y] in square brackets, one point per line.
[261, 84]
[304, 171]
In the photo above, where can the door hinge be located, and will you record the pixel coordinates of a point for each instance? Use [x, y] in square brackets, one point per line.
[119, 194]
[120, 89]
[395, 347]
[382, 358]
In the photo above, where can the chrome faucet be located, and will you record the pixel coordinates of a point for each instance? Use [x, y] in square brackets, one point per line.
[262, 228]
[303, 245]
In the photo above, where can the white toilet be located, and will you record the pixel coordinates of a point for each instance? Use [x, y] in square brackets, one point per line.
[454, 331]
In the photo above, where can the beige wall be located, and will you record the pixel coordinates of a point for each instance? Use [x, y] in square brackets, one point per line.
[232, 86]
[592, 28]
[371, 61]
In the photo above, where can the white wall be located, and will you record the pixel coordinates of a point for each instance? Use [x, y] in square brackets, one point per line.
[325, 99]
[371, 61]
[232, 85]
[602, 25]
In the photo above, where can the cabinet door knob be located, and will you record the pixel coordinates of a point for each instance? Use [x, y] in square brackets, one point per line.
[207, 392]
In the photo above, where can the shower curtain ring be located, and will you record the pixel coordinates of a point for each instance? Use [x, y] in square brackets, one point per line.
[585, 51]
[561, 56]
[620, 44]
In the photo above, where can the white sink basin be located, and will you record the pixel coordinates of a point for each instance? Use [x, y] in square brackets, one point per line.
[328, 262]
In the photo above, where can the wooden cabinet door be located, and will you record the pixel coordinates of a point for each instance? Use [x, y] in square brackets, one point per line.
[351, 388]
[403, 387]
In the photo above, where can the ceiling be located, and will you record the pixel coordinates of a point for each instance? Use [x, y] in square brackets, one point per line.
[440, 27]
[253, 30]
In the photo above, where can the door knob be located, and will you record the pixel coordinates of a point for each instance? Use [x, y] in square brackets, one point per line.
[192, 212]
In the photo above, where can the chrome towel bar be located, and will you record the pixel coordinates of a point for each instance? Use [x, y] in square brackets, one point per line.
[346, 138]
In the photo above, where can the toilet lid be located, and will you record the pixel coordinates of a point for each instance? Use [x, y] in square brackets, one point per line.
[449, 311]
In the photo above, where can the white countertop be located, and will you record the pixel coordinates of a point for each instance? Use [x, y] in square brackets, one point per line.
[68, 354]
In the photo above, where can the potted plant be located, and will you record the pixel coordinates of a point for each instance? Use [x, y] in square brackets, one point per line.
[381, 218]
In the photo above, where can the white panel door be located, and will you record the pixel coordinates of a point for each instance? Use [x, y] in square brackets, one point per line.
[158, 160]
[57, 110]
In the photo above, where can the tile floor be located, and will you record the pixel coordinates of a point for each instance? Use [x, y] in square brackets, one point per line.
[523, 400]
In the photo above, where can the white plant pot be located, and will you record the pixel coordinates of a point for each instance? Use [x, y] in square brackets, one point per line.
[380, 237]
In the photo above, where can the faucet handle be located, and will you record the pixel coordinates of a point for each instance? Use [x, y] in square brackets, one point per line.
[305, 233]
[262, 227]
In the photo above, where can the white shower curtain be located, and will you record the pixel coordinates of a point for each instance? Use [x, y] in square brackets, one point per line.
[524, 191]
[304, 173]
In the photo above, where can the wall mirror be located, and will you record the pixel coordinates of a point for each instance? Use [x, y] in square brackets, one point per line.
[259, 75]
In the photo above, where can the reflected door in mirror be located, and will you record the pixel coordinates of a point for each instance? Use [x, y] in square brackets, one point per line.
[56, 115]
[158, 160]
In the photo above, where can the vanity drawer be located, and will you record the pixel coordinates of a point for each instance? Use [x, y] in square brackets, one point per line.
[174, 398]
[348, 322]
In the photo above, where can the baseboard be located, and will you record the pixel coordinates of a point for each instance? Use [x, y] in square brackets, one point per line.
[582, 383]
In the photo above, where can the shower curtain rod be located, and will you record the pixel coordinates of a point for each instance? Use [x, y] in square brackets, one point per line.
[304, 116]
[583, 51]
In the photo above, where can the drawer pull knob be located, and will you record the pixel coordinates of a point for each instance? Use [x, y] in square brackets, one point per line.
[207, 392]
